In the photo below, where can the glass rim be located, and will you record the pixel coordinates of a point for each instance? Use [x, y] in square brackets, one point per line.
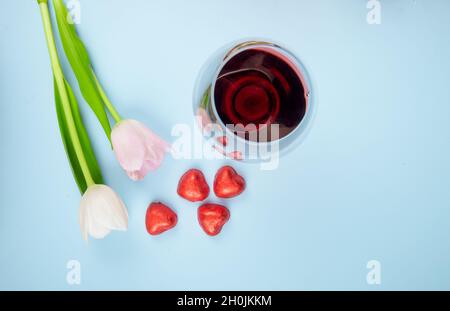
[243, 45]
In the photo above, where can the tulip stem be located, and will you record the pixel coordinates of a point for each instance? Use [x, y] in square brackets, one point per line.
[60, 84]
[112, 110]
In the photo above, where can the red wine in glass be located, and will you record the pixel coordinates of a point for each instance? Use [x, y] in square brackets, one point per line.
[261, 86]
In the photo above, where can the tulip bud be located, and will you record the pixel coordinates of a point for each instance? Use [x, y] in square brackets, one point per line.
[101, 210]
[137, 149]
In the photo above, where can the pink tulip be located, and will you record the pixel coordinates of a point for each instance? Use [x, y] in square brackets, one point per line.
[207, 126]
[137, 149]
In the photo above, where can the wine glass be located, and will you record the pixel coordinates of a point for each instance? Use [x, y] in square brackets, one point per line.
[253, 101]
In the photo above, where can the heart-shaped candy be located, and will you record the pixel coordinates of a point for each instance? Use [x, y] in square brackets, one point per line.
[159, 218]
[193, 186]
[228, 183]
[212, 217]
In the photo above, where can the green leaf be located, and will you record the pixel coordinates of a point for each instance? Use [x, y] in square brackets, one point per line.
[94, 168]
[92, 163]
[68, 144]
[79, 60]
[204, 103]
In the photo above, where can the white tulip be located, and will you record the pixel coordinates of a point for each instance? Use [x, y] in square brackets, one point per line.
[101, 210]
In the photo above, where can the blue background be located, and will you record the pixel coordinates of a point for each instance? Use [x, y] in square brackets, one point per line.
[371, 180]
